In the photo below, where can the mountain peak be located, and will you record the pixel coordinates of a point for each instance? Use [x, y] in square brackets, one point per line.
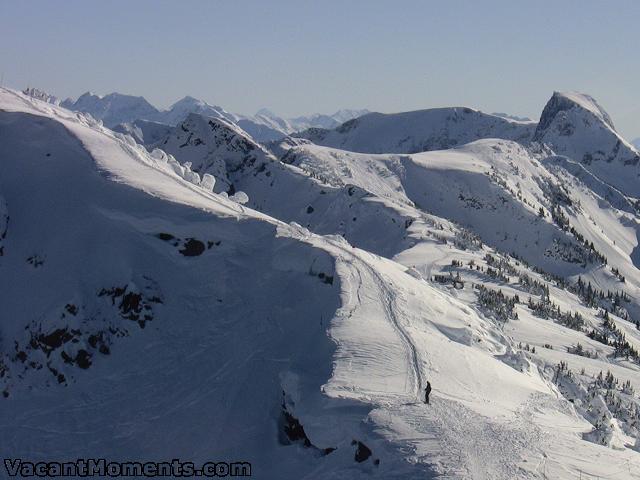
[574, 125]
[564, 101]
[89, 94]
[266, 113]
[188, 100]
[113, 108]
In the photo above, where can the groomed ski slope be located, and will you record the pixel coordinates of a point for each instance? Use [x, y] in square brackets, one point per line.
[390, 332]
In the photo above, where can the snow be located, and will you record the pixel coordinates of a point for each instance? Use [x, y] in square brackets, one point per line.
[208, 182]
[588, 103]
[136, 116]
[239, 197]
[297, 299]
[418, 131]
[114, 108]
[143, 131]
[574, 125]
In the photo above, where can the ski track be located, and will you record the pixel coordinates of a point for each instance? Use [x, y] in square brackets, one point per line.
[388, 301]
[469, 445]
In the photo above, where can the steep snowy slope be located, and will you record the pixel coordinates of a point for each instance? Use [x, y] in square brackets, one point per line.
[144, 132]
[493, 187]
[573, 124]
[418, 131]
[255, 325]
[261, 130]
[114, 108]
[219, 148]
[213, 146]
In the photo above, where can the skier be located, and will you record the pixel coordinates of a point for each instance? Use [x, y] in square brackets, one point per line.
[427, 391]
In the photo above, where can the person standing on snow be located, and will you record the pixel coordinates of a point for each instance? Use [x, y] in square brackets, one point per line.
[427, 391]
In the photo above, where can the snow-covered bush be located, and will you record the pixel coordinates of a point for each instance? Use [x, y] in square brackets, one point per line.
[240, 197]
[611, 409]
[179, 169]
[41, 95]
[182, 170]
[192, 177]
[208, 182]
[159, 155]
[518, 360]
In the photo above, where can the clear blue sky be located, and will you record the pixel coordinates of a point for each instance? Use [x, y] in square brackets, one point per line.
[299, 56]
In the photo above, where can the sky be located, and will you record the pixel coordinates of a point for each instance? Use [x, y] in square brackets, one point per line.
[301, 56]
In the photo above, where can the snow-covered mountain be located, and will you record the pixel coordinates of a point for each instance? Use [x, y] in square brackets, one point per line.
[297, 330]
[264, 126]
[299, 124]
[114, 108]
[214, 146]
[418, 131]
[511, 117]
[187, 105]
[574, 125]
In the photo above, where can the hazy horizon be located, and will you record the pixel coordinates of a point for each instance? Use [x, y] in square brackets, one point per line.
[298, 58]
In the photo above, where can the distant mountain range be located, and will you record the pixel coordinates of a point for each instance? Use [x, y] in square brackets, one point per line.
[115, 108]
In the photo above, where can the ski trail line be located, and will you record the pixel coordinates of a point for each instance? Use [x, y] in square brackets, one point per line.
[389, 302]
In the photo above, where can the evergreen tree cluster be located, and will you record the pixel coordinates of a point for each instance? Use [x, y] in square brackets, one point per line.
[558, 196]
[456, 281]
[612, 336]
[617, 273]
[527, 347]
[467, 240]
[546, 308]
[595, 298]
[533, 286]
[500, 305]
[501, 264]
[580, 350]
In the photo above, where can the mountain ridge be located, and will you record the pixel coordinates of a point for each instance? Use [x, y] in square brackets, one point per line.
[319, 302]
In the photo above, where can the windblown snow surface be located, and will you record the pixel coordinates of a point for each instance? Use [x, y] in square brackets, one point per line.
[145, 317]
